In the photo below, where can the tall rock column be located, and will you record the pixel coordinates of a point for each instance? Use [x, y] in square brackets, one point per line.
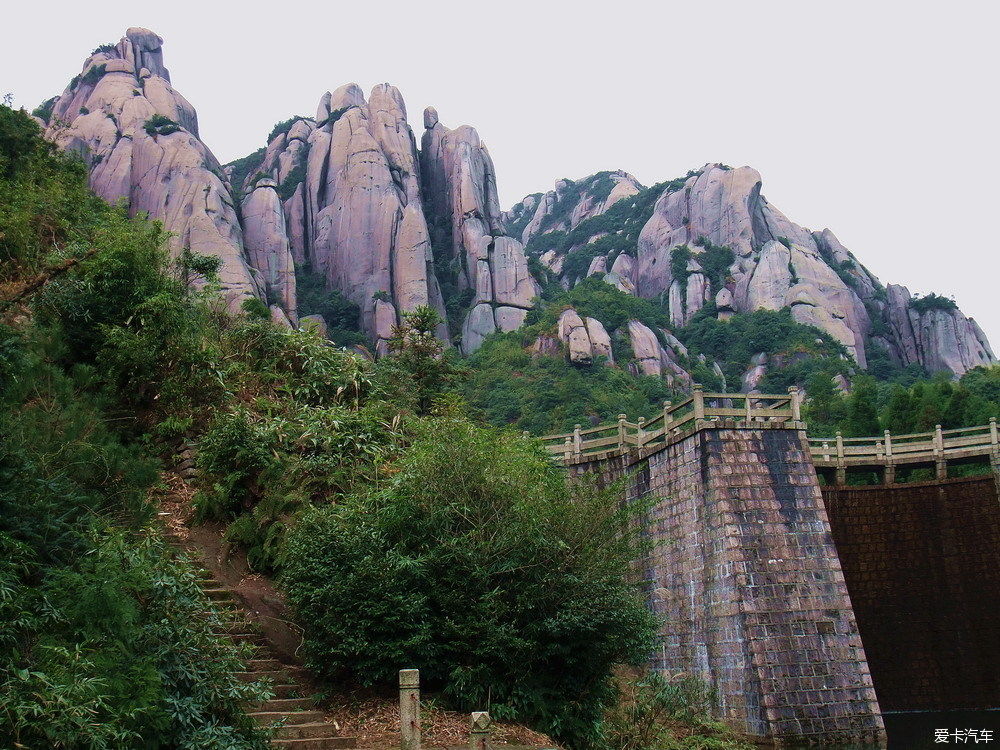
[460, 183]
[139, 138]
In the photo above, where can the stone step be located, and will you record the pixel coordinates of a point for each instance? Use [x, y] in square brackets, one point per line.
[317, 743]
[287, 691]
[290, 719]
[264, 665]
[286, 704]
[219, 595]
[276, 676]
[308, 731]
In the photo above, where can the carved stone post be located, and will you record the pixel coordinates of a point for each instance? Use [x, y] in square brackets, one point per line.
[841, 466]
[890, 467]
[479, 732]
[940, 462]
[409, 709]
[577, 441]
[793, 393]
[698, 395]
[621, 432]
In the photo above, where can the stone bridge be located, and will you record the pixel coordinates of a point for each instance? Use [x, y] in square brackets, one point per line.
[811, 606]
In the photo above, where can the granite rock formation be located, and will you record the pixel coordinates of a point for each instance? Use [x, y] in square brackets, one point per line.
[140, 139]
[347, 194]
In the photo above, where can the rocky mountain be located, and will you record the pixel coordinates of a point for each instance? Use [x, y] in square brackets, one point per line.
[712, 238]
[349, 198]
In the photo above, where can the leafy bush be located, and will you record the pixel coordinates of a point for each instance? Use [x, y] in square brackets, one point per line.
[44, 110]
[478, 564]
[241, 168]
[932, 301]
[341, 315]
[652, 708]
[160, 125]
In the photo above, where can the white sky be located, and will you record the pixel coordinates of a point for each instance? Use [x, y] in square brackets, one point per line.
[876, 119]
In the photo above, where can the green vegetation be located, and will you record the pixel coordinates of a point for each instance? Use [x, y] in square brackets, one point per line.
[651, 708]
[107, 639]
[341, 315]
[160, 125]
[105, 48]
[874, 406]
[243, 168]
[622, 223]
[105, 366]
[932, 301]
[502, 583]
[44, 110]
[283, 127]
[795, 351]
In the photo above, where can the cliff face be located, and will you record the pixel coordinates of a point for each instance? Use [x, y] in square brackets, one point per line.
[347, 195]
[713, 237]
[140, 138]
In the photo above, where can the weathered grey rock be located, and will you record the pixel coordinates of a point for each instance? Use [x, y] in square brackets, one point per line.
[173, 177]
[645, 348]
[266, 242]
[600, 341]
[941, 340]
[315, 323]
[459, 179]
[573, 331]
[754, 375]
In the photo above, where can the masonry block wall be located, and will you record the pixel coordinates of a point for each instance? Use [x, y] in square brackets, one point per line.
[748, 586]
[923, 572]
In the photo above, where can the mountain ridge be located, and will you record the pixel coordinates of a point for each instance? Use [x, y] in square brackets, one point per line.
[349, 195]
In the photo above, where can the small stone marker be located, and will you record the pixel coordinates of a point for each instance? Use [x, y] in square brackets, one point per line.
[409, 709]
[479, 732]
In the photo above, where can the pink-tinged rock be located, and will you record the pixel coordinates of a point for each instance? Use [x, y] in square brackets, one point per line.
[552, 261]
[699, 291]
[174, 178]
[266, 242]
[545, 346]
[646, 348]
[573, 332]
[478, 325]
[755, 374]
[279, 318]
[386, 319]
[459, 182]
[510, 318]
[600, 341]
[598, 265]
[513, 283]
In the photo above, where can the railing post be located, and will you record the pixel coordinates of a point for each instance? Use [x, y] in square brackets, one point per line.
[826, 450]
[698, 399]
[940, 462]
[409, 709]
[994, 441]
[841, 468]
[640, 434]
[577, 441]
[890, 468]
[621, 432]
[748, 405]
[479, 732]
[568, 450]
[793, 393]
[668, 417]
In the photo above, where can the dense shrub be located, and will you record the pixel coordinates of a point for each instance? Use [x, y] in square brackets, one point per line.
[476, 563]
[160, 125]
[652, 708]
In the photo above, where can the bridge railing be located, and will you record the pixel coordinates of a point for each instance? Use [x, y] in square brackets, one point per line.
[936, 446]
[674, 419]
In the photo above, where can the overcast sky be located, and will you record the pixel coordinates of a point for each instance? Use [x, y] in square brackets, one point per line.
[878, 120]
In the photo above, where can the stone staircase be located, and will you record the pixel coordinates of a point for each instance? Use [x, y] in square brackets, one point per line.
[299, 724]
